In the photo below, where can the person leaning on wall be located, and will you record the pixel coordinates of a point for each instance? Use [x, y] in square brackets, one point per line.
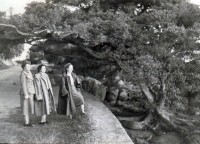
[70, 96]
[27, 92]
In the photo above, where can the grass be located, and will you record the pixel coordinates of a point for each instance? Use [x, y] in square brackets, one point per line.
[60, 129]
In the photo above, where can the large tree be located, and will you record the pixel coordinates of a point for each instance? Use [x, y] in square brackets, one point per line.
[148, 41]
[11, 42]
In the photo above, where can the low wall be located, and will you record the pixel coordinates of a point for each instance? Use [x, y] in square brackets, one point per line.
[94, 87]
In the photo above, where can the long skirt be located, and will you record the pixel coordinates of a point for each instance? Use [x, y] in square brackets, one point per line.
[40, 108]
[62, 101]
[27, 105]
[77, 97]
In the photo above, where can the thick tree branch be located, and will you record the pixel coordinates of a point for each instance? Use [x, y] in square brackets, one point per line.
[78, 41]
[147, 93]
[18, 31]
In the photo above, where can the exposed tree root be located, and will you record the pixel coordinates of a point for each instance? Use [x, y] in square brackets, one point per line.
[182, 124]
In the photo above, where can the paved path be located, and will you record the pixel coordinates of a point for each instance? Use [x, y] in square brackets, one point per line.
[106, 129]
[9, 90]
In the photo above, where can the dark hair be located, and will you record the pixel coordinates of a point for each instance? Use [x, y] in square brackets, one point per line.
[24, 63]
[39, 67]
[66, 67]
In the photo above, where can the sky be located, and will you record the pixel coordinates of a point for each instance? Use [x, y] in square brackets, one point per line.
[195, 1]
[18, 7]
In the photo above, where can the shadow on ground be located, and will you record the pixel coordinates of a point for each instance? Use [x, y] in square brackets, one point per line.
[97, 126]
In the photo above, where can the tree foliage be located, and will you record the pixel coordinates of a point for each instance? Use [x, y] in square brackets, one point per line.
[147, 41]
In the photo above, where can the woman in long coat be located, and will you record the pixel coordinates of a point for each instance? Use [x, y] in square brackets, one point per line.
[27, 92]
[44, 103]
[70, 96]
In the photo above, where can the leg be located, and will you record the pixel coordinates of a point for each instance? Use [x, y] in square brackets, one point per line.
[44, 118]
[31, 102]
[26, 119]
[77, 97]
[82, 109]
[27, 123]
[26, 111]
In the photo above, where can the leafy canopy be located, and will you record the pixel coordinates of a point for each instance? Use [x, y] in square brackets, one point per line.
[147, 41]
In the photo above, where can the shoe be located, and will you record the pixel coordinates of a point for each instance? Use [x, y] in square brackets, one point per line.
[43, 123]
[28, 125]
[70, 116]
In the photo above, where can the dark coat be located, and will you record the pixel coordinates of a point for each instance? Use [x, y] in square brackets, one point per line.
[66, 105]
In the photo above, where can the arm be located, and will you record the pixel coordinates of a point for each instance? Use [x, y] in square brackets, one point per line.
[24, 88]
[49, 84]
[77, 81]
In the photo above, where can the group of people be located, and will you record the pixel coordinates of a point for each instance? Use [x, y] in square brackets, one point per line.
[36, 93]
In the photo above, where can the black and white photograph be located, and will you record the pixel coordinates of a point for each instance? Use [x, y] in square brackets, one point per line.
[100, 71]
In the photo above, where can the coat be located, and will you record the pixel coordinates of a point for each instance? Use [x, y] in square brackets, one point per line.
[27, 88]
[44, 98]
[66, 105]
[26, 80]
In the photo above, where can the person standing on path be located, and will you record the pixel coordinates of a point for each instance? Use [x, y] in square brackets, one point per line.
[27, 92]
[44, 98]
[70, 96]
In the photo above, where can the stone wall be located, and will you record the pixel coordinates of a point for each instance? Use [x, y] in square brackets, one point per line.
[94, 87]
